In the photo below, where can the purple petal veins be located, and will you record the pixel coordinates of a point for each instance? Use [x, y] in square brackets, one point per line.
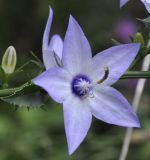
[82, 84]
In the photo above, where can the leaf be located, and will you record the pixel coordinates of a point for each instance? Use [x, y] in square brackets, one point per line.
[33, 100]
[27, 95]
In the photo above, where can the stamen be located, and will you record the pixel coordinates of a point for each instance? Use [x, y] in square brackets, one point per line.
[106, 70]
[57, 59]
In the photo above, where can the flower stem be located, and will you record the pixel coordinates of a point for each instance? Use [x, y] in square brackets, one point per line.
[136, 74]
[136, 101]
[27, 87]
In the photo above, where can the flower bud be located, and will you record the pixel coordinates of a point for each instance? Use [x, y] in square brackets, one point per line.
[138, 38]
[9, 60]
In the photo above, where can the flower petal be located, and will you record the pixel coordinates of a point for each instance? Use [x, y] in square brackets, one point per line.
[147, 4]
[48, 55]
[111, 107]
[55, 47]
[47, 30]
[76, 50]
[123, 2]
[77, 118]
[117, 59]
[49, 59]
[56, 82]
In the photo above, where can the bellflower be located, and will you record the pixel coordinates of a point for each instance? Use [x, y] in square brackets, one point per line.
[145, 2]
[52, 50]
[82, 84]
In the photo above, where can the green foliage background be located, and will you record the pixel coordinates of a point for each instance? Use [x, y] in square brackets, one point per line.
[38, 134]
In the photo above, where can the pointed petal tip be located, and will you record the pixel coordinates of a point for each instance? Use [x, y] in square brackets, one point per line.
[47, 30]
[133, 123]
[137, 123]
[70, 151]
[50, 18]
[71, 19]
[121, 5]
[134, 46]
[50, 10]
[77, 122]
[137, 126]
[123, 2]
[137, 44]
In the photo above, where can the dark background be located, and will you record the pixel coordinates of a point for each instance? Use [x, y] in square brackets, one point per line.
[40, 135]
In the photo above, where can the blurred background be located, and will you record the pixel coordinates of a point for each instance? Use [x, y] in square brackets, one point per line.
[40, 135]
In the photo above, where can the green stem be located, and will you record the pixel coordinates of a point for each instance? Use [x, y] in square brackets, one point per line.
[12, 91]
[136, 75]
[5, 92]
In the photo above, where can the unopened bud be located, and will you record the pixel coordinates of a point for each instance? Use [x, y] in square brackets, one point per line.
[138, 38]
[9, 60]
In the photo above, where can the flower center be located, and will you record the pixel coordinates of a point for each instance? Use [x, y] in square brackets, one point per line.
[81, 86]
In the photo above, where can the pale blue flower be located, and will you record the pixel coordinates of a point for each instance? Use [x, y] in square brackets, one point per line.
[52, 49]
[82, 84]
[145, 2]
